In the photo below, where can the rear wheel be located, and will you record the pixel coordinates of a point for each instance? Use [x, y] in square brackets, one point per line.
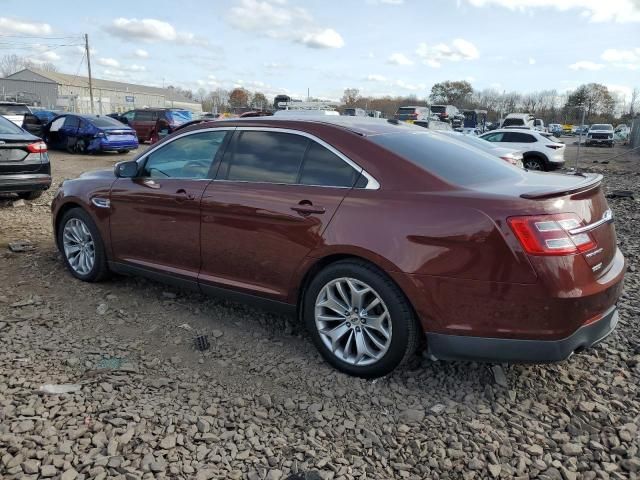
[30, 195]
[359, 320]
[123, 151]
[533, 163]
[81, 246]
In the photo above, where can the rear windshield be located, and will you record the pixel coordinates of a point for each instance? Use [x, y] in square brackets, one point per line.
[601, 126]
[179, 116]
[107, 122]
[446, 158]
[513, 121]
[8, 109]
[7, 126]
[438, 108]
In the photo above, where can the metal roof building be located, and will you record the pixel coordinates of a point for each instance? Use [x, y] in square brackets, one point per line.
[71, 92]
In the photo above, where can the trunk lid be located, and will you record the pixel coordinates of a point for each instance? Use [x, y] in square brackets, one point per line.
[548, 193]
[14, 156]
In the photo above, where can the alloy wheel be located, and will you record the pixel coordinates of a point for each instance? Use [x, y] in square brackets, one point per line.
[353, 321]
[532, 165]
[79, 247]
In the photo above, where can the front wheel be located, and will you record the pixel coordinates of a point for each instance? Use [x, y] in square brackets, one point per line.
[123, 151]
[81, 246]
[359, 320]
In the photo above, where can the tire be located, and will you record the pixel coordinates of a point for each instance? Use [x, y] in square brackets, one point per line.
[533, 163]
[31, 195]
[123, 151]
[393, 311]
[76, 217]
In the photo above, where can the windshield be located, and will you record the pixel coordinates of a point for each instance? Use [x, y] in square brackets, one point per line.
[601, 126]
[438, 108]
[446, 158]
[107, 122]
[179, 116]
[11, 109]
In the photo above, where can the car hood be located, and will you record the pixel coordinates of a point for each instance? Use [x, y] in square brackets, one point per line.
[106, 173]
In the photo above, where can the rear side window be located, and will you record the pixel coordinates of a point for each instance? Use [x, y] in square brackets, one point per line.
[7, 126]
[266, 157]
[71, 122]
[322, 167]
[509, 122]
[452, 161]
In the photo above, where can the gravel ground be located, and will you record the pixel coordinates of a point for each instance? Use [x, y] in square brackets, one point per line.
[261, 404]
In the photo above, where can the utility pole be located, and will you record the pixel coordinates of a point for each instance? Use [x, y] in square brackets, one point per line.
[580, 140]
[86, 46]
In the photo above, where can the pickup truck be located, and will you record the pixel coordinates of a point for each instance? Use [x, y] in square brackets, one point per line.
[600, 134]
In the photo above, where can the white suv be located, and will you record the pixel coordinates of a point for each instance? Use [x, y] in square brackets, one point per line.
[538, 149]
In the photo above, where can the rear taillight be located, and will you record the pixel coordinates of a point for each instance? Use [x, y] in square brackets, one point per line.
[555, 147]
[549, 234]
[414, 115]
[38, 147]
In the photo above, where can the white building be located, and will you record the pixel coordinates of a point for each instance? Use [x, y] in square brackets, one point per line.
[61, 91]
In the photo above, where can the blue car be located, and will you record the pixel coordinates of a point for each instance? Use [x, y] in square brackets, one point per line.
[89, 133]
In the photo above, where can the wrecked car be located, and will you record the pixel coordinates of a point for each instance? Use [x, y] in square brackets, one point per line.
[89, 133]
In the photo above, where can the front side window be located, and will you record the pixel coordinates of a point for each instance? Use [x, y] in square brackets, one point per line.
[325, 168]
[190, 156]
[271, 157]
[493, 137]
[144, 116]
[518, 137]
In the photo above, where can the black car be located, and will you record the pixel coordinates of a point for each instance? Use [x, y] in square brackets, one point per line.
[24, 163]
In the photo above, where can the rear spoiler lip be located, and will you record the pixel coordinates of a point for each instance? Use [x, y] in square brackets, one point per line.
[590, 181]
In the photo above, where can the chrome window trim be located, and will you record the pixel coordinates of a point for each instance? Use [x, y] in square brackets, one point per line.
[372, 183]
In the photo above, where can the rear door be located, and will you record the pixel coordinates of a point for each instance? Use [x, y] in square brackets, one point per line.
[274, 195]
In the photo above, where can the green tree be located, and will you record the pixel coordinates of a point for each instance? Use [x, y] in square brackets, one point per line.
[451, 93]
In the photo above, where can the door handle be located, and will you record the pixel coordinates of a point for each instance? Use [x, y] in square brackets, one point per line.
[182, 195]
[305, 207]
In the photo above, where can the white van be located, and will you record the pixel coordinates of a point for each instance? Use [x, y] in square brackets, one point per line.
[519, 120]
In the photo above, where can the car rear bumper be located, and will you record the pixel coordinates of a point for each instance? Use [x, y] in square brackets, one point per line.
[24, 182]
[486, 349]
[115, 146]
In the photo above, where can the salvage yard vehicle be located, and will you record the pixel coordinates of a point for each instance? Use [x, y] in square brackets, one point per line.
[145, 120]
[518, 120]
[88, 134]
[510, 155]
[555, 129]
[14, 112]
[541, 151]
[24, 163]
[411, 114]
[376, 233]
[600, 134]
[445, 113]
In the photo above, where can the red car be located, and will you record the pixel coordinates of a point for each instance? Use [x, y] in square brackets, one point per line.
[378, 234]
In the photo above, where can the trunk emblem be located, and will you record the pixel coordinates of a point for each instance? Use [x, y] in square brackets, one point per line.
[597, 267]
[594, 253]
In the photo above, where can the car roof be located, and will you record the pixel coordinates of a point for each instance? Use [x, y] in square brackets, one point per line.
[523, 130]
[363, 126]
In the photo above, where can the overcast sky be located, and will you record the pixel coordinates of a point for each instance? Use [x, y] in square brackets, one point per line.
[379, 46]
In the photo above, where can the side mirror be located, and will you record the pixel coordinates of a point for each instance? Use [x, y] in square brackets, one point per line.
[126, 169]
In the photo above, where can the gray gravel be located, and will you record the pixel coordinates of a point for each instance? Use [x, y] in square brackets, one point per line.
[261, 404]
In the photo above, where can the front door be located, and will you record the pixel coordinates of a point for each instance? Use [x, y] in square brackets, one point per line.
[274, 195]
[155, 218]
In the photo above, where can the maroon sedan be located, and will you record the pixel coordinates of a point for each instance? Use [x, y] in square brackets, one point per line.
[376, 233]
